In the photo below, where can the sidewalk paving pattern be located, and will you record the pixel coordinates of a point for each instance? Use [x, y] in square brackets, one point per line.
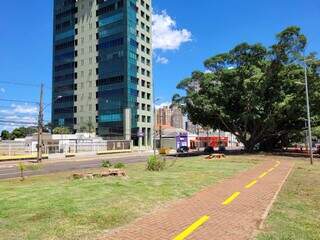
[230, 210]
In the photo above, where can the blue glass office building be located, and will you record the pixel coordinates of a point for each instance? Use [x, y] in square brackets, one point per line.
[102, 68]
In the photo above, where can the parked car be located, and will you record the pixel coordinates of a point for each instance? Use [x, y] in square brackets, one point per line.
[222, 148]
[318, 150]
[183, 149]
[209, 150]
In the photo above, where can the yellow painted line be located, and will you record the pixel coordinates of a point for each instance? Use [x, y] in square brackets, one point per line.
[263, 174]
[231, 198]
[277, 165]
[192, 228]
[251, 184]
[271, 169]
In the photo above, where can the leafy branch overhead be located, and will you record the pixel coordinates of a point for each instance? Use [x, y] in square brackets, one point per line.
[255, 92]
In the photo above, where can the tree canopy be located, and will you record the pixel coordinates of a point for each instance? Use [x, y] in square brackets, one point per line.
[316, 132]
[256, 93]
[5, 135]
[20, 132]
[61, 130]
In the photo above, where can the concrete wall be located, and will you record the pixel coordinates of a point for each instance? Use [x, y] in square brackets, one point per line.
[86, 59]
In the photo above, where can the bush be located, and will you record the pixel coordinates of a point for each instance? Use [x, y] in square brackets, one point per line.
[119, 165]
[106, 164]
[22, 168]
[155, 164]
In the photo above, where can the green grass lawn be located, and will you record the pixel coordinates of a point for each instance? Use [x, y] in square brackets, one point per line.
[55, 207]
[296, 213]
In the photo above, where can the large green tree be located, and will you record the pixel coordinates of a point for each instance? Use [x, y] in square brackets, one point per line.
[5, 135]
[256, 93]
[18, 133]
[316, 132]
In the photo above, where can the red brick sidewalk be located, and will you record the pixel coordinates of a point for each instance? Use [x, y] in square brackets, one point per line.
[236, 220]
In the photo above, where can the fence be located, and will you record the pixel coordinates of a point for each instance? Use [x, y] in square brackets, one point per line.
[90, 146]
[11, 148]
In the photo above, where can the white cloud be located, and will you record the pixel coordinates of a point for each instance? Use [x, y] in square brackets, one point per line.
[24, 114]
[166, 36]
[164, 104]
[20, 109]
[2, 90]
[26, 109]
[17, 118]
[162, 60]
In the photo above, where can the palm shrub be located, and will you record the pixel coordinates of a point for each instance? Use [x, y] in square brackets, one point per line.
[119, 165]
[106, 164]
[155, 164]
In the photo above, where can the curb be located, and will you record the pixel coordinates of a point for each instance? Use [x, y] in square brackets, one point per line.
[268, 209]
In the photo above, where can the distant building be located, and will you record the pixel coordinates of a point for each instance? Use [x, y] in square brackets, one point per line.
[190, 127]
[176, 118]
[164, 116]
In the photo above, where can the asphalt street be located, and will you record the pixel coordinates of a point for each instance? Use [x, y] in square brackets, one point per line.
[10, 170]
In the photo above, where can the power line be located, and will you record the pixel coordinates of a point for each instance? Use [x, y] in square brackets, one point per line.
[6, 106]
[20, 111]
[17, 122]
[17, 125]
[25, 122]
[21, 101]
[22, 84]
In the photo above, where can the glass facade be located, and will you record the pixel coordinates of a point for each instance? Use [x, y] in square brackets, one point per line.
[101, 67]
[116, 91]
[64, 64]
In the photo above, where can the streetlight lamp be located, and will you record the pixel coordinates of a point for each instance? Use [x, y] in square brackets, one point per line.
[40, 123]
[308, 109]
[305, 67]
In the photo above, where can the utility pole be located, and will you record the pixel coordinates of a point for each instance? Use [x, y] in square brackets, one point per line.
[198, 133]
[40, 126]
[308, 112]
[160, 128]
[154, 129]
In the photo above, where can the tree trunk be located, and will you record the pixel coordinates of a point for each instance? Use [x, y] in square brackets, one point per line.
[21, 175]
[249, 146]
[270, 144]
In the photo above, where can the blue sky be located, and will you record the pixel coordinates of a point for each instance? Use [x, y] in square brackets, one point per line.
[203, 28]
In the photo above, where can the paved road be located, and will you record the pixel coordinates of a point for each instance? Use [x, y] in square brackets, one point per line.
[10, 170]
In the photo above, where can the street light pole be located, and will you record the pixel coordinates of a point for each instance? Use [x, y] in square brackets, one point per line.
[40, 126]
[154, 125]
[40, 123]
[308, 112]
[160, 129]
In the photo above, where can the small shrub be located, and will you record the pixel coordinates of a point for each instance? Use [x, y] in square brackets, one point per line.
[77, 176]
[155, 164]
[119, 165]
[22, 168]
[106, 164]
